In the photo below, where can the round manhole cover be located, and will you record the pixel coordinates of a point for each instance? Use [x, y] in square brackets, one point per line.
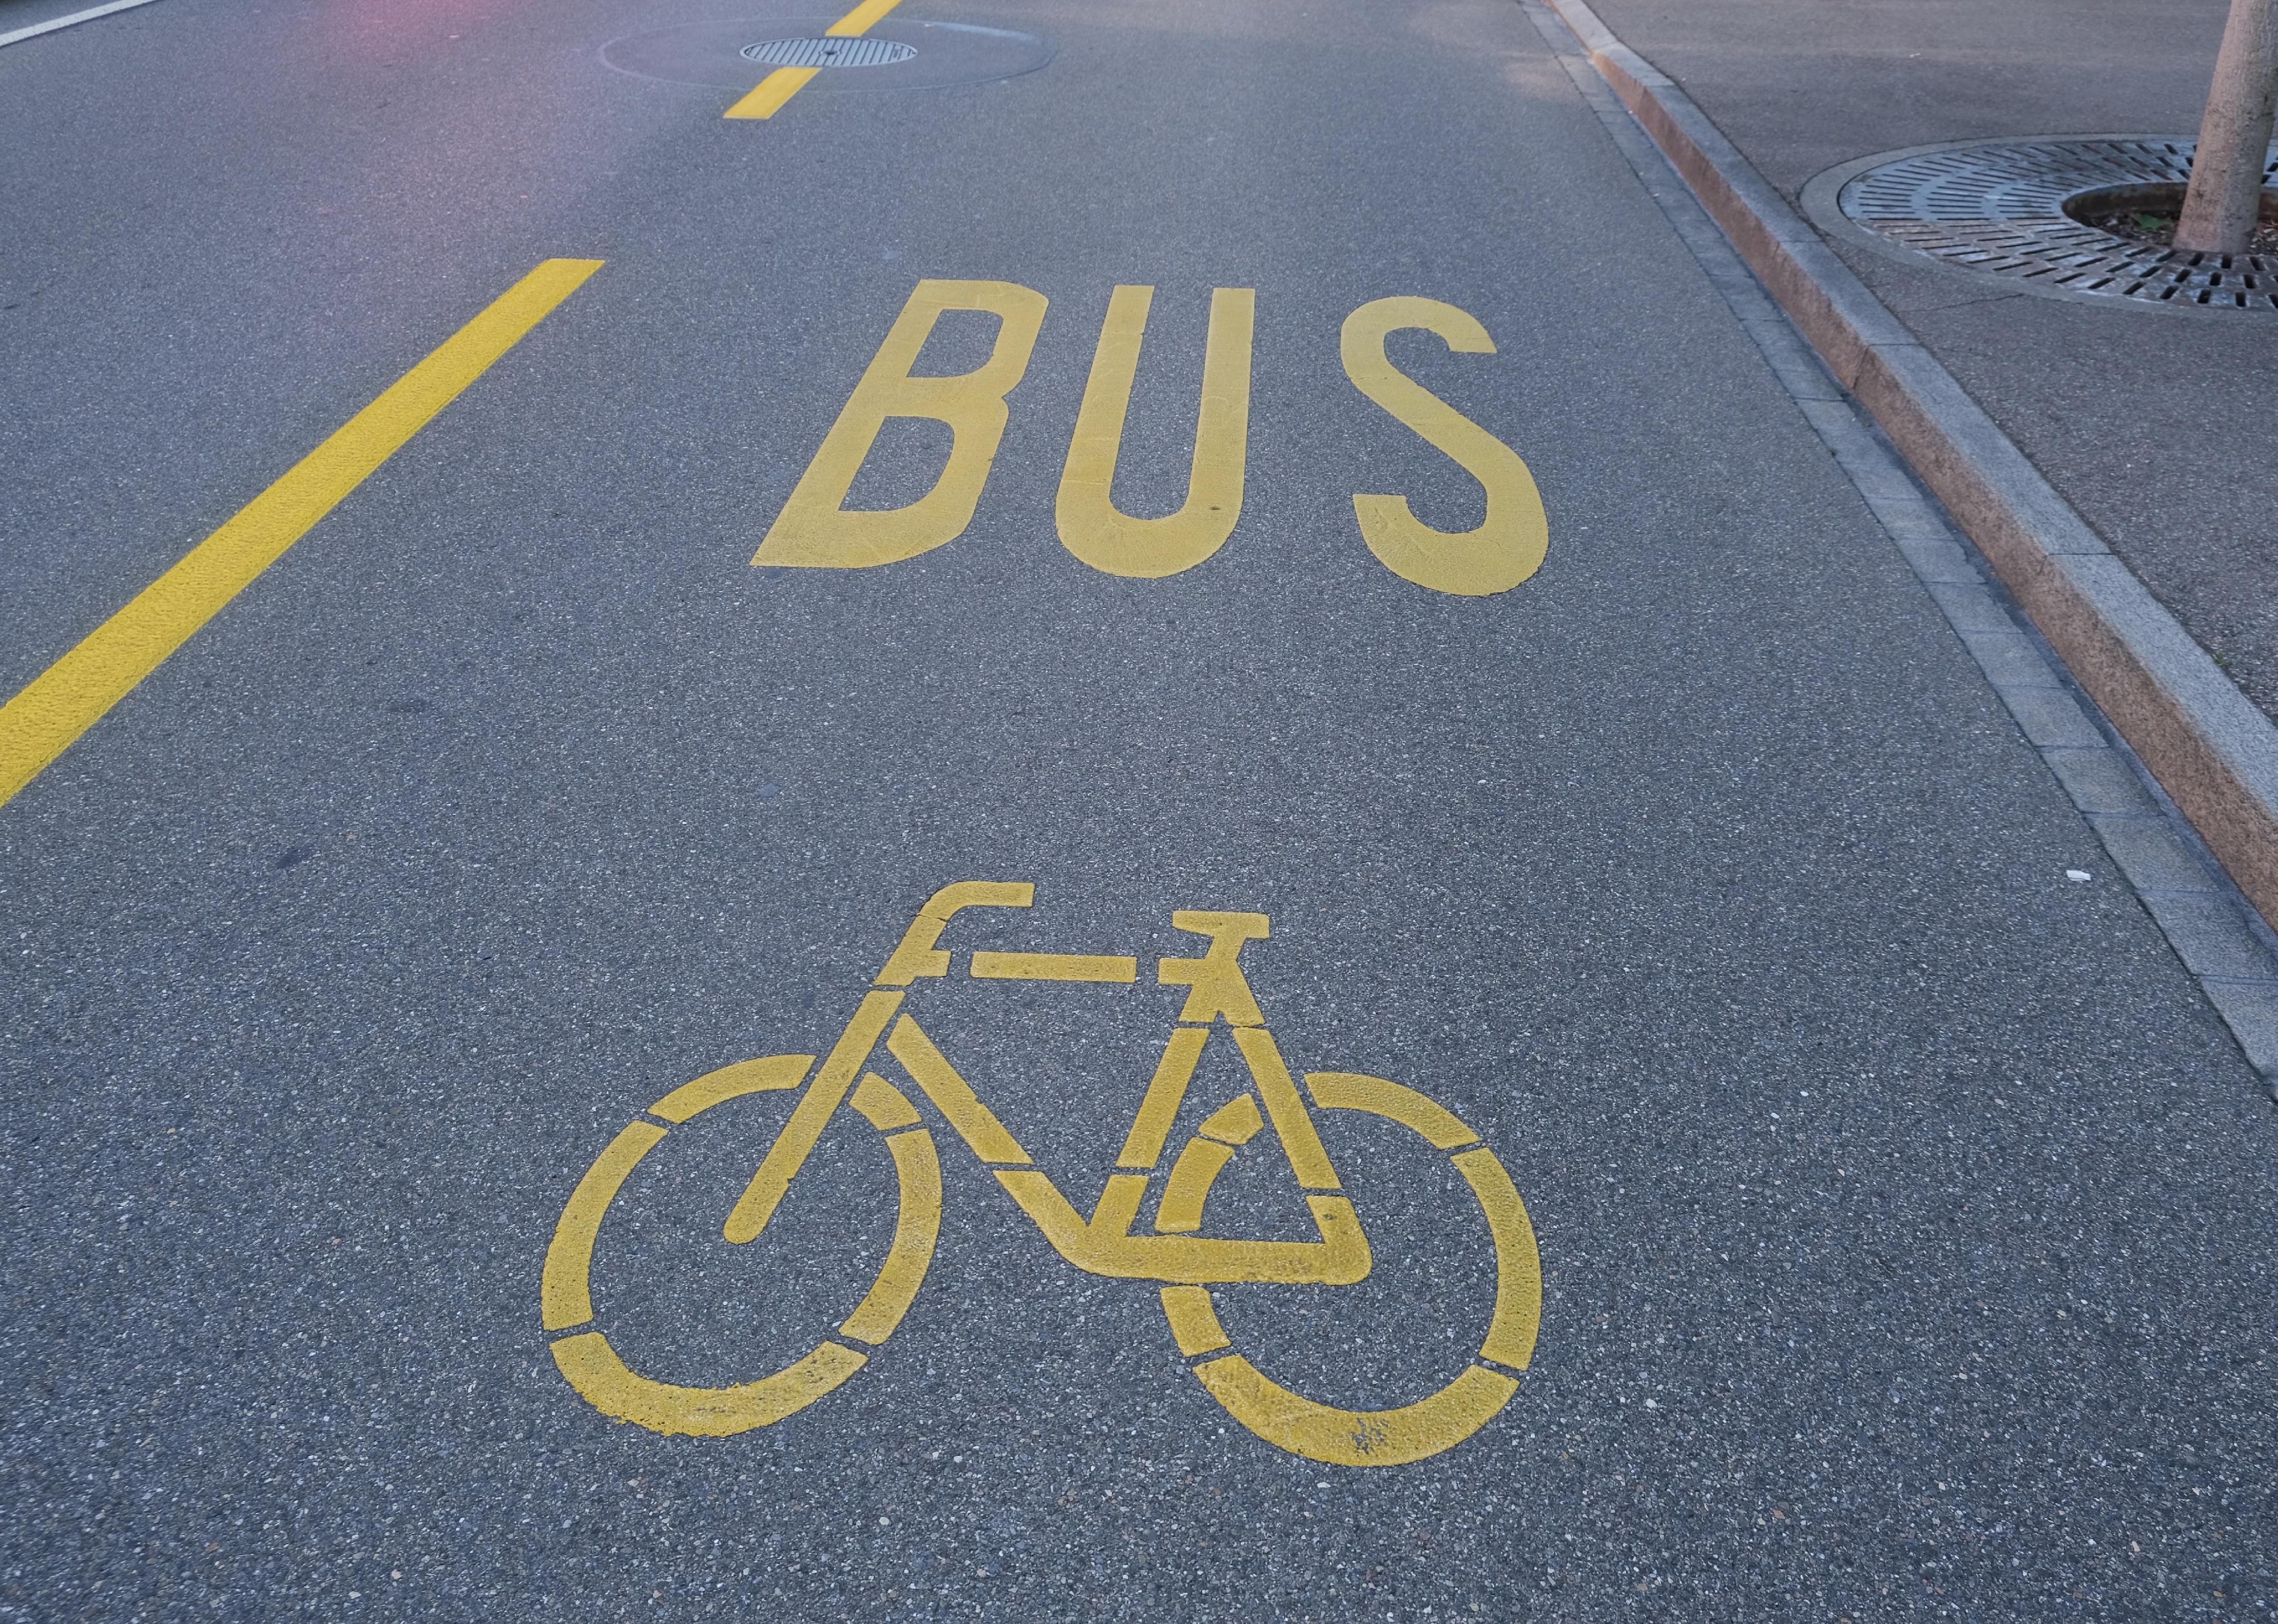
[829, 53]
[1999, 209]
[898, 53]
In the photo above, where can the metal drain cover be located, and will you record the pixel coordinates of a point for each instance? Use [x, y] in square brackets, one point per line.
[900, 53]
[858, 52]
[1997, 208]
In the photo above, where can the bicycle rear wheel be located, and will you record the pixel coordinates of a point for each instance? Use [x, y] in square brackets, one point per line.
[1404, 1433]
[593, 1367]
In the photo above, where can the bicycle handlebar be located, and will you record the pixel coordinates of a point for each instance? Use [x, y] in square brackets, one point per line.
[917, 956]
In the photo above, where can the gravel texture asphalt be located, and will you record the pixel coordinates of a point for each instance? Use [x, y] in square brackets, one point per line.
[1902, 1203]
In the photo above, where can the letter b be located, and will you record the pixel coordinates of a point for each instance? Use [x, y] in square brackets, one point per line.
[815, 530]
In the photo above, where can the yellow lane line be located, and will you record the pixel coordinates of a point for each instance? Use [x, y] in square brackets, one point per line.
[71, 695]
[771, 93]
[767, 97]
[859, 19]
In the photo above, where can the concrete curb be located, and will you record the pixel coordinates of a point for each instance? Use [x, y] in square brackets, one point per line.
[2212, 750]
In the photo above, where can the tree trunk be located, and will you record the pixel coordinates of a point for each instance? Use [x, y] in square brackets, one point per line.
[2226, 191]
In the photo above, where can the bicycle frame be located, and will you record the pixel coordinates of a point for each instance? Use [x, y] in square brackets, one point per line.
[1103, 1244]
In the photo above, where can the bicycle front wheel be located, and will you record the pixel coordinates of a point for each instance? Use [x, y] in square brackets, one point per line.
[1410, 1433]
[593, 1367]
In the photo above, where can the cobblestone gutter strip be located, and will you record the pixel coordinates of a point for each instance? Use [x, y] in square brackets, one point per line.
[2211, 749]
[2205, 918]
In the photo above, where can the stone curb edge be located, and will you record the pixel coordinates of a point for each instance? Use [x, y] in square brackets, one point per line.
[2212, 750]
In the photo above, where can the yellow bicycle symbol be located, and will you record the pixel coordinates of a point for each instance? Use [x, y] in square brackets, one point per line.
[1175, 1254]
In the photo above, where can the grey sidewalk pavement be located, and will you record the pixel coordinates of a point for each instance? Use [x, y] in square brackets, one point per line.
[2157, 426]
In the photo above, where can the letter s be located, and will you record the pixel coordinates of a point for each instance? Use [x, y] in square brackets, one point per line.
[1509, 546]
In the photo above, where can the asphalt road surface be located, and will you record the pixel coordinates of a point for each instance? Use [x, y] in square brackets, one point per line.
[1902, 1207]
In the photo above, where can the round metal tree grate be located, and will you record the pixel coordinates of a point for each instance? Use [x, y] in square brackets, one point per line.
[1999, 208]
[857, 53]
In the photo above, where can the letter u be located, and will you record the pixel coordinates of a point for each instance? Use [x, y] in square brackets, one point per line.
[1090, 525]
